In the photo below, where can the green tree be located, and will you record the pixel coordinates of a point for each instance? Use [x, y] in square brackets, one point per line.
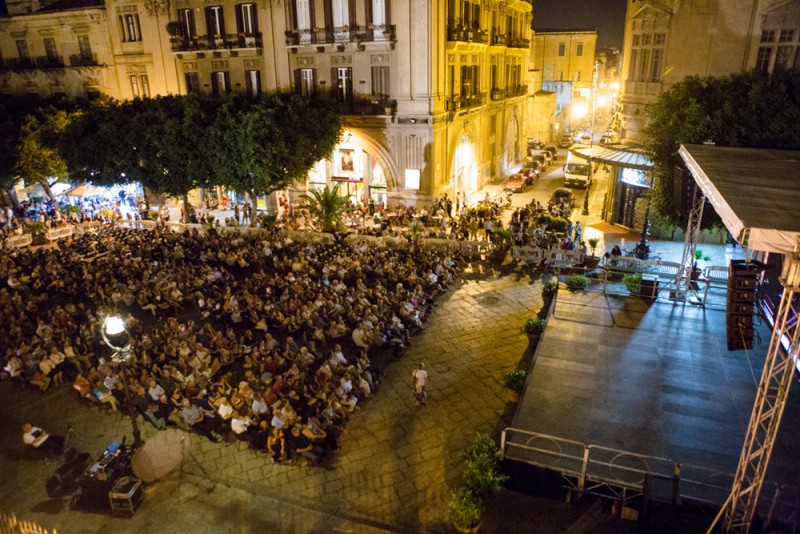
[10, 124]
[262, 145]
[162, 146]
[95, 147]
[326, 205]
[747, 110]
[39, 161]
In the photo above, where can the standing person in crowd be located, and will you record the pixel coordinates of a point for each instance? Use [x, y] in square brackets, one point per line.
[419, 380]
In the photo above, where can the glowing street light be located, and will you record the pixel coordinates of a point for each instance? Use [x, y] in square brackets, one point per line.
[116, 336]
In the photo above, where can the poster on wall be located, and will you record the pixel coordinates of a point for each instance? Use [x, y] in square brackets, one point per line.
[346, 162]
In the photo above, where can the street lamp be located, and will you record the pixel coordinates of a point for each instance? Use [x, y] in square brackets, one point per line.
[116, 336]
[642, 250]
[586, 196]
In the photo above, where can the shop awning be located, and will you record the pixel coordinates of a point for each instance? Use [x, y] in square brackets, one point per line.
[756, 192]
[619, 156]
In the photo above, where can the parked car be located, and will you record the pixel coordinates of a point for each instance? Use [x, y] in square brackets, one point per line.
[564, 199]
[541, 160]
[565, 141]
[517, 183]
[533, 167]
[553, 151]
[547, 156]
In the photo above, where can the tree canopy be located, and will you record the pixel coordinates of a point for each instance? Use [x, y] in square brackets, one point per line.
[743, 110]
[174, 144]
[14, 114]
[38, 160]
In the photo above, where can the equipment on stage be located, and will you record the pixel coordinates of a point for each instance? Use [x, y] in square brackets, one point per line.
[109, 482]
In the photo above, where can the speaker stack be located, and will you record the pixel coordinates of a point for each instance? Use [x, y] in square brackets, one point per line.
[741, 303]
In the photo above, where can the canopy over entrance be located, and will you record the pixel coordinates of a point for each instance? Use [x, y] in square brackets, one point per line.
[755, 191]
[618, 156]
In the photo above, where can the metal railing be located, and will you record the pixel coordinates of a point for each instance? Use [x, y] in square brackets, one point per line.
[513, 41]
[83, 60]
[609, 472]
[457, 31]
[31, 63]
[371, 33]
[216, 42]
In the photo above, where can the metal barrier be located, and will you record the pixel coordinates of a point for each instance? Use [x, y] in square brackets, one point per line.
[717, 273]
[61, 232]
[606, 472]
[531, 256]
[89, 227]
[19, 241]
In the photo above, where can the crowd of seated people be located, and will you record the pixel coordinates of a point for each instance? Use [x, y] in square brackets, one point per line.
[251, 338]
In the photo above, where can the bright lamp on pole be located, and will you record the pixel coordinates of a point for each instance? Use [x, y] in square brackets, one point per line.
[118, 339]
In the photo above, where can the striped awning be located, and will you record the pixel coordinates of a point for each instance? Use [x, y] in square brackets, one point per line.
[619, 156]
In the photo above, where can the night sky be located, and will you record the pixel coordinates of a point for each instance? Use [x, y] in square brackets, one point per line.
[606, 16]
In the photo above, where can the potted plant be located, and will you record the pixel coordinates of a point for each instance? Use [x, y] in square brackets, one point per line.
[633, 283]
[698, 255]
[534, 327]
[549, 290]
[174, 28]
[464, 510]
[577, 282]
[515, 382]
[414, 231]
[482, 477]
[592, 261]
[37, 230]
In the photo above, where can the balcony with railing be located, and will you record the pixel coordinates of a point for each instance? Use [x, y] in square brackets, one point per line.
[216, 42]
[498, 94]
[32, 63]
[514, 41]
[457, 31]
[365, 106]
[498, 39]
[517, 90]
[371, 33]
[458, 102]
[83, 60]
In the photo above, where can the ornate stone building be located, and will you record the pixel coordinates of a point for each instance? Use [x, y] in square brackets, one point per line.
[435, 93]
[564, 60]
[665, 41]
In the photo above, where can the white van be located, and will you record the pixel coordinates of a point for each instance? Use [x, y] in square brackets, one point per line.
[576, 171]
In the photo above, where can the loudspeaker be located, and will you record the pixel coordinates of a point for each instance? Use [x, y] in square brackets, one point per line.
[741, 303]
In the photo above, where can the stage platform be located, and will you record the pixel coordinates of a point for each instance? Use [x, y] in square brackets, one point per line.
[653, 379]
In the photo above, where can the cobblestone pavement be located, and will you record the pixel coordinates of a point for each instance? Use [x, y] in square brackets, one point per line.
[393, 472]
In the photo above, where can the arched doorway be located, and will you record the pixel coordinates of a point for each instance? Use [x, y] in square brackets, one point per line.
[464, 174]
[357, 170]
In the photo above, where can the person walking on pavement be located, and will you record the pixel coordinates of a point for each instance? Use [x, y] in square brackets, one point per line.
[420, 382]
[578, 232]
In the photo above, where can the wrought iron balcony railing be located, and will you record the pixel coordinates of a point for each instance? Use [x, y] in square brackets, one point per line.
[83, 60]
[32, 63]
[371, 33]
[457, 31]
[216, 42]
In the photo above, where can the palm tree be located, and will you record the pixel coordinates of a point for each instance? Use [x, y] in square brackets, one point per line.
[326, 205]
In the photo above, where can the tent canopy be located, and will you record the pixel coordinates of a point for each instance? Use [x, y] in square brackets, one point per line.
[86, 190]
[756, 192]
[618, 156]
